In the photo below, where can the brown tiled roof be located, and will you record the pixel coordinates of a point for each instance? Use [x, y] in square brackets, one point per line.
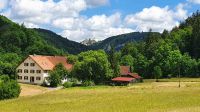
[124, 70]
[135, 75]
[49, 62]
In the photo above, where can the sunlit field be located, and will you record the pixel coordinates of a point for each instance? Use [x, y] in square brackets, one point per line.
[149, 96]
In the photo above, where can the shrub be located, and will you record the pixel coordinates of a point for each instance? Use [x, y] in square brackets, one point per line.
[74, 82]
[58, 73]
[88, 83]
[68, 84]
[8, 88]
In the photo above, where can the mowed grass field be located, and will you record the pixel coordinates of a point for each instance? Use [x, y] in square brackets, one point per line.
[143, 97]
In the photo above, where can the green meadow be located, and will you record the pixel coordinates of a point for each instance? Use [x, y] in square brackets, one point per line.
[150, 96]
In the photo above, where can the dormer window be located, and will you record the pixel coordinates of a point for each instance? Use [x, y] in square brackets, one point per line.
[32, 64]
[25, 64]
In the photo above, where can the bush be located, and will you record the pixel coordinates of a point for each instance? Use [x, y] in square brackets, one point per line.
[8, 88]
[68, 84]
[88, 83]
[56, 76]
[74, 82]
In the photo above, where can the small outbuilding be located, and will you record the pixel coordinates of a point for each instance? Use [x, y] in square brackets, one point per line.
[123, 80]
[127, 77]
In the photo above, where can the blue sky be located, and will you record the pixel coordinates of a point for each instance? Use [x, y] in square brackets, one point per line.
[98, 19]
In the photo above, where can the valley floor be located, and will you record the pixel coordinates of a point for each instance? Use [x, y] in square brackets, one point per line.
[143, 97]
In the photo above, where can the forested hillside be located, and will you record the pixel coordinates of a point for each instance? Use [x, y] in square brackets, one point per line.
[167, 55]
[17, 39]
[61, 43]
[119, 41]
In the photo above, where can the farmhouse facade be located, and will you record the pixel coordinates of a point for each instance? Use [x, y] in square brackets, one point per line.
[35, 68]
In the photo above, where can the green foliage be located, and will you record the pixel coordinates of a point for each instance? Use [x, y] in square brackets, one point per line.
[8, 64]
[8, 88]
[130, 49]
[56, 76]
[88, 83]
[72, 59]
[93, 66]
[194, 38]
[68, 84]
[127, 60]
[114, 58]
[54, 79]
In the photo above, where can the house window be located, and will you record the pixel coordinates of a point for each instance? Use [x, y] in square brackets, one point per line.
[38, 78]
[25, 77]
[19, 70]
[19, 77]
[38, 71]
[32, 64]
[25, 71]
[25, 64]
[32, 71]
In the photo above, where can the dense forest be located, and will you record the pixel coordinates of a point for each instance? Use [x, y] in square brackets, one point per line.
[119, 41]
[172, 52]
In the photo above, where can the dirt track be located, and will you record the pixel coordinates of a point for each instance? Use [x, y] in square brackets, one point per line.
[31, 90]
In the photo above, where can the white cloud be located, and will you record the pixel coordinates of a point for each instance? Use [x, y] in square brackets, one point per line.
[31, 25]
[181, 13]
[194, 1]
[94, 3]
[156, 18]
[43, 12]
[98, 27]
[97, 22]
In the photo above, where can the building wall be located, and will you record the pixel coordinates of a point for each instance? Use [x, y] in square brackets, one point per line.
[36, 67]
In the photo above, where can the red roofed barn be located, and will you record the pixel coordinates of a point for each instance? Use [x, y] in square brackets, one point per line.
[35, 68]
[126, 76]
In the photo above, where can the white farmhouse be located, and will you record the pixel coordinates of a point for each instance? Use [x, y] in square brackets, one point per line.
[35, 68]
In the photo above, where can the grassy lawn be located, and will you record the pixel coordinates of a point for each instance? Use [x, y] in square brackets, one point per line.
[143, 97]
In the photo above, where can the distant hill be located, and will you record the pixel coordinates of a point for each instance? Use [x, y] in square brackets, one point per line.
[119, 40]
[60, 42]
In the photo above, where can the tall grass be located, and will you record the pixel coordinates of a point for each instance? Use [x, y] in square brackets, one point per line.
[143, 97]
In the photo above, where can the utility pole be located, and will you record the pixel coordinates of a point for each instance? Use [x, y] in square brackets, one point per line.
[179, 78]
